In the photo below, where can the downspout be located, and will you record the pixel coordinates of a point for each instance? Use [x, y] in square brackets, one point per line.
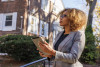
[28, 14]
[21, 28]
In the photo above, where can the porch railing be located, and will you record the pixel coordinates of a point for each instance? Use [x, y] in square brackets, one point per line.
[38, 63]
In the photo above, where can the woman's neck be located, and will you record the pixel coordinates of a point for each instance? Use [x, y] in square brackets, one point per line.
[67, 30]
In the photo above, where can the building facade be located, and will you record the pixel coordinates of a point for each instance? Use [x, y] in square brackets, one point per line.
[29, 17]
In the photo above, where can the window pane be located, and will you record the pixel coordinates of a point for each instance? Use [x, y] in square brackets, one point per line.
[42, 29]
[9, 17]
[8, 23]
[32, 25]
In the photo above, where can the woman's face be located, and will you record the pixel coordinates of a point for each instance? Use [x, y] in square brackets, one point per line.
[64, 19]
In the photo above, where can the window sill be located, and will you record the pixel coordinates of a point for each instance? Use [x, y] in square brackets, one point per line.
[8, 1]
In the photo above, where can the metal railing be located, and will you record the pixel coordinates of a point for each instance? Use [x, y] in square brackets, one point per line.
[37, 63]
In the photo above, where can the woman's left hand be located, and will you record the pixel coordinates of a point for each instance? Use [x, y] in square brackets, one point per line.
[42, 55]
[46, 48]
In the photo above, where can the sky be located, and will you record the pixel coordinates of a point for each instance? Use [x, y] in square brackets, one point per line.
[79, 4]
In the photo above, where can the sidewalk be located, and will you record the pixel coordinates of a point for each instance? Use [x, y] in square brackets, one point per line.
[6, 61]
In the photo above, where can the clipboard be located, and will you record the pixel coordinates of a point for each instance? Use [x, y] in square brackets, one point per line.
[36, 40]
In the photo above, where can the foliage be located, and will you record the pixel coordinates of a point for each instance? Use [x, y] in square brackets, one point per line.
[97, 10]
[96, 26]
[89, 54]
[20, 47]
[97, 37]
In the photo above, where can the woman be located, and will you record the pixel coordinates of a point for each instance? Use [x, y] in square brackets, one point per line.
[69, 44]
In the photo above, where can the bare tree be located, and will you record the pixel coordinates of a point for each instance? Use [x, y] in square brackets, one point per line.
[92, 4]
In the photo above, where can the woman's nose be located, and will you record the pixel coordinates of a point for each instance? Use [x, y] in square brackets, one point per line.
[60, 18]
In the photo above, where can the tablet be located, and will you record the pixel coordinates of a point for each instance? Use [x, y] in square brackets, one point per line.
[36, 41]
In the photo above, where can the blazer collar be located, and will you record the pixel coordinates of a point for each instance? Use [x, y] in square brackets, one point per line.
[61, 45]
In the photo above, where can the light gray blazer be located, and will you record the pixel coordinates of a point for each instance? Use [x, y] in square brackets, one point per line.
[69, 50]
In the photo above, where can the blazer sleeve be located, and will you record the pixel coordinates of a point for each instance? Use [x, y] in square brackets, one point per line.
[76, 50]
[53, 57]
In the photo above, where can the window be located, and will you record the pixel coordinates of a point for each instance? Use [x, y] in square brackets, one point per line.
[8, 21]
[33, 25]
[45, 5]
[43, 29]
[7, 0]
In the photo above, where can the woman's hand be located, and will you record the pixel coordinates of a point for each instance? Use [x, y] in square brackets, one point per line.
[46, 48]
[42, 55]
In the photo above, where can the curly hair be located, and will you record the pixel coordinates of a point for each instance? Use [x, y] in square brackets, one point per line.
[77, 18]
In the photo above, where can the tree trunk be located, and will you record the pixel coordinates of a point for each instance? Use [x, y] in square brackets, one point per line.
[92, 5]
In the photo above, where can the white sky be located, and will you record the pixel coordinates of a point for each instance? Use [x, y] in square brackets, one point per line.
[79, 4]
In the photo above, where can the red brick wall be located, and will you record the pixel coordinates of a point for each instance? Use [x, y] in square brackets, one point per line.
[19, 6]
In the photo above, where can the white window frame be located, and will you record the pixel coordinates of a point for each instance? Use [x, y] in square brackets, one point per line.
[33, 25]
[45, 6]
[3, 21]
[6, 0]
[55, 32]
[9, 20]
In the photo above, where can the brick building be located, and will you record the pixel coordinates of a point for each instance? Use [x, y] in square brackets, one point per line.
[29, 17]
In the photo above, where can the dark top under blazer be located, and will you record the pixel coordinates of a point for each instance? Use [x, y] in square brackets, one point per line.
[68, 53]
[62, 37]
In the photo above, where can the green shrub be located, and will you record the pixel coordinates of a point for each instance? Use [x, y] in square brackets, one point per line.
[19, 47]
[89, 54]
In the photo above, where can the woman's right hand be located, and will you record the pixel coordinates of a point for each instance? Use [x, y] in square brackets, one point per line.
[42, 55]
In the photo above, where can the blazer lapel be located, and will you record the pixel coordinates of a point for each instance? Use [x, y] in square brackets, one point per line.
[65, 41]
[57, 37]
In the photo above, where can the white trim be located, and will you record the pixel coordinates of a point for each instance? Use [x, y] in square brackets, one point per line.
[46, 30]
[1, 21]
[33, 25]
[14, 20]
[29, 23]
[6, 0]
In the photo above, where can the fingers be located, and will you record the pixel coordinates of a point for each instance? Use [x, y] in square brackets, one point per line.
[41, 54]
[41, 44]
[45, 42]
